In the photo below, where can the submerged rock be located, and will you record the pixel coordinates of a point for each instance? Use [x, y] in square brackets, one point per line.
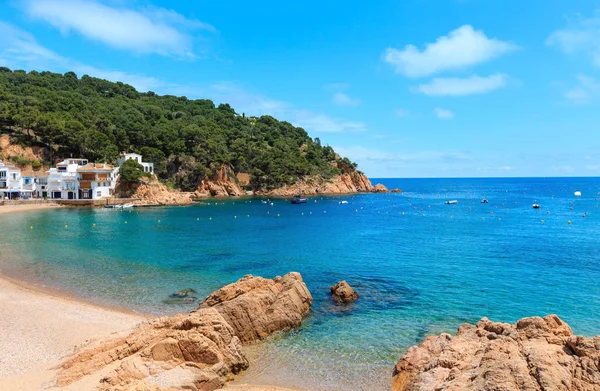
[198, 351]
[182, 297]
[396, 190]
[533, 354]
[343, 293]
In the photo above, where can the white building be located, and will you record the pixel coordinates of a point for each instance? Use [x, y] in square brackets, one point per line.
[148, 167]
[96, 181]
[11, 183]
[63, 181]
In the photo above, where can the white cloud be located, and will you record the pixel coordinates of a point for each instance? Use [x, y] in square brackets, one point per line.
[587, 89]
[443, 113]
[454, 86]
[462, 48]
[151, 30]
[582, 36]
[341, 99]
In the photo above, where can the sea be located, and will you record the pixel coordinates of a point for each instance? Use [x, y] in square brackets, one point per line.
[420, 266]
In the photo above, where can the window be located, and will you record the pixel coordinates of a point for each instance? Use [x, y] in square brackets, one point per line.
[61, 169]
[14, 176]
[27, 181]
[98, 193]
[86, 194]
[2, 174]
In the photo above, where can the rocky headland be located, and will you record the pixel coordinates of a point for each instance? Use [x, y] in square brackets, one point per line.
[151, 191]
[534, 354]
[199, 351]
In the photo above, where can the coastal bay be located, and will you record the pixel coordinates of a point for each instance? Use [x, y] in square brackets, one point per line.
[421, 267]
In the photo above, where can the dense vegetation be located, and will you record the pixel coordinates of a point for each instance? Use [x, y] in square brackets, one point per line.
[131, 171]
[187, 140]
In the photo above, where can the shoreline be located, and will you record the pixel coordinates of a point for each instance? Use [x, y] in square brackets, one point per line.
[42, 326]
[6, 209]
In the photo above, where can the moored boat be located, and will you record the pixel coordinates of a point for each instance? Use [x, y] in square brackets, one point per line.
[298, 200]
[484, 201]
[536, 206]
[451, 202]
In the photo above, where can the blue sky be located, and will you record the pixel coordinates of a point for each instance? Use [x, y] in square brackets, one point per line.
[412, 88]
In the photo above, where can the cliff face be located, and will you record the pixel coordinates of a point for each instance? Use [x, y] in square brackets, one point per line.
[225, 183]
[222, 184]
[353, 182]
[198, 351]
[533, 354]
[152, 192]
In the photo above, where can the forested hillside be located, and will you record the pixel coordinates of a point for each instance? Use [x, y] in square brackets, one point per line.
[186, 139]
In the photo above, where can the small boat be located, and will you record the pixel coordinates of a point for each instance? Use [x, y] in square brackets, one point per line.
[343, 202]
[536, 206]
[484, 201]
[452, 202]
[119, 206]
[577, 194]
[298, 200]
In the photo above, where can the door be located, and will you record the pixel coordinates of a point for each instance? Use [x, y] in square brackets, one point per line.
[70, 195]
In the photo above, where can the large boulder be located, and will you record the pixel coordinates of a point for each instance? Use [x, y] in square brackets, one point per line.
[256, 307]
[343, 293]
[198, 351]
[379, 188]
[533, 354]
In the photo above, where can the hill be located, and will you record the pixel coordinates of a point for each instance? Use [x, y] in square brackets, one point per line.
[189, 141]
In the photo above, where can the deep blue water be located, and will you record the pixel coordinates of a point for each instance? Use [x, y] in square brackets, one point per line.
[421, 267]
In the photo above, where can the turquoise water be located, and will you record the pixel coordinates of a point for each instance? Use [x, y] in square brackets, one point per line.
[420, 266]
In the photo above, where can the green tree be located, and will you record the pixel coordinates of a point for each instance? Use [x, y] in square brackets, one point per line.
[131, 171]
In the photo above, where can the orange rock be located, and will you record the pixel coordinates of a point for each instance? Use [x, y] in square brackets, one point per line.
[198, 351]
[379, 188]
[533, 354]
[343, 293]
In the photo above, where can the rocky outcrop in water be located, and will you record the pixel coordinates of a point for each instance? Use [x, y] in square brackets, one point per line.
[256, 307]
[379, 188]
[396, 190]
[198, 351]
[533, 354]
[343, 293]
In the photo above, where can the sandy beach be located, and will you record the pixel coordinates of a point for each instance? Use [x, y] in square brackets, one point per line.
[38, 329]
[25, 208]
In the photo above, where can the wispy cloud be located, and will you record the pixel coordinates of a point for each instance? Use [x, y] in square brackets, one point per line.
[148, 30]
[460, 49]
[20, 50]
[462, 86]
[443, 113]
[586, 89]
[581, 36]
[341, 99]
[253, 103]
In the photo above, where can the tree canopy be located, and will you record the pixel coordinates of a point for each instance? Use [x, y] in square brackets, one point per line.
[96, 119]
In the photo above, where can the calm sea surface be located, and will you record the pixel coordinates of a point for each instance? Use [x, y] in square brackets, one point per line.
[420, 266]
